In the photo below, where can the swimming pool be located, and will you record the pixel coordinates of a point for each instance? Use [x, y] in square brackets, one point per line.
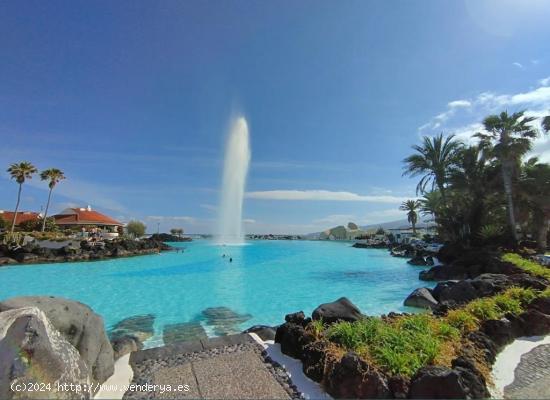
[265, 281]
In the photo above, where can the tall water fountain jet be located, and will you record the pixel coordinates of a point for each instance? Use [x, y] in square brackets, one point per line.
[235, 170]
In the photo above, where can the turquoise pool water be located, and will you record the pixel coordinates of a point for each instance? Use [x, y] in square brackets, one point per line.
[267, 279]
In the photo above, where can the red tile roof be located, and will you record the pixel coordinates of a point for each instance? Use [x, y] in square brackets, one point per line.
[85, 217]
[22, 216]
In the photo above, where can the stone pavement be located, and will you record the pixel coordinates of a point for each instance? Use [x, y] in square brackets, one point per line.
[228, 367]
[531, 376]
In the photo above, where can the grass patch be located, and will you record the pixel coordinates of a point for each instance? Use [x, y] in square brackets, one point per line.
[316, 327]
[469, 317]
[527, 265]
[399, 346]
[405, 344]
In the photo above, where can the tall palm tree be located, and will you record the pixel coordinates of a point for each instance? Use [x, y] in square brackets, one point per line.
[508, 137]
[473, 178]
[411, 206]
[535, 189]
[430, 203]
[20, 172]
[54, 176]
[434, 159]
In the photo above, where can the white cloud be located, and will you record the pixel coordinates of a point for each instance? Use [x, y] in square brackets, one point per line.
[489, 102]
[249, 221]
[459, 103]
[209, 207]
[535, 102]
[321, 195]
[540, 96]
[516, 64]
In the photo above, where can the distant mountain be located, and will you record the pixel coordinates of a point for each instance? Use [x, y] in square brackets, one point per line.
[395, 224]
[385, 225]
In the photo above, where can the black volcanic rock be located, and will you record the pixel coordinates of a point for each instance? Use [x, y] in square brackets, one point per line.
[166, 237]
[437, 382]
[313, 360]
[353, 378]
[292, 338]
[422, 298]
[339, 310]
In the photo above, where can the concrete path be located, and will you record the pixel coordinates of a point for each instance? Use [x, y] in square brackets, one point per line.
[531, 376]
[228, 367]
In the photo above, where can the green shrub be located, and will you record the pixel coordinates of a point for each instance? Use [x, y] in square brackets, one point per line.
[462, 320]
[317, 327]
[36, 225]
[527, 265]
[512, 301]
[483, 309]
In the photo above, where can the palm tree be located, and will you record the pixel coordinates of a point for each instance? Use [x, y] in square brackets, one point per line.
[20, 172]
[508, 138]
[411, 206]
[535, 188]
[473, 178]
[53, 175]
[546, 123]
[434, 159]
[430, 203]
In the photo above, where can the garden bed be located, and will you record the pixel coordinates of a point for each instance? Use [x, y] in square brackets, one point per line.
[419, 355]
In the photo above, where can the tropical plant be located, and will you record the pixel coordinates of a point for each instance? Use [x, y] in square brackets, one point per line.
[490, 231]
[546, 123]
[434, 160]
[473, 181]
[507, 138]
[430, 204]
[135, 228]
[54, 176]
[535, 190]
[411, 206]
[37, 225]
[20, 172]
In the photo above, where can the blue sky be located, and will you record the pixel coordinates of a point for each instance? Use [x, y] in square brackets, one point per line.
[132, 100]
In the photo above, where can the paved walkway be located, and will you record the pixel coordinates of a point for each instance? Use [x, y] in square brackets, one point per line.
[229, 367]
[531, 376]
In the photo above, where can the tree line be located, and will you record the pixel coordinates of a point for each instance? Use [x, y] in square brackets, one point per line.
[485, 192]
